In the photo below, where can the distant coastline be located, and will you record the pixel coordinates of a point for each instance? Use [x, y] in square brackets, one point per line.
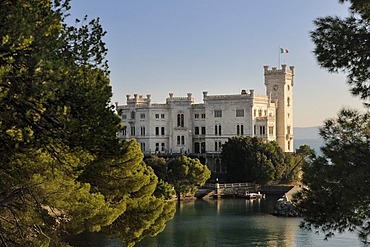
[313, 143]
[309, 136]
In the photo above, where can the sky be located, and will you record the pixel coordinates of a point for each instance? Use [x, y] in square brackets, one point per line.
[159, 47]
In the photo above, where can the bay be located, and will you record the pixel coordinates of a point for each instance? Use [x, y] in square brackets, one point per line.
[241, 223]
[229, 223]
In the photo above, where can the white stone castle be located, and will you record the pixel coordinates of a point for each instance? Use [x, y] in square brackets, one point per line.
[181, 126]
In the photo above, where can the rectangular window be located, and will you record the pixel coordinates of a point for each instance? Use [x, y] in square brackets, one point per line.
[196, 131]
[203, 130]
[203, 115]
[240, 113]
[142, 115]
[203, 147]
[242, 129]
[124, 116]
[133, 131]
[262, 130]
[218, 113]
[142, 144]
[218, 146]
[271, 130]
[162, 116]
[142, 130]
[162, 146]
[180, 120]
[162, 131]
[182, 140]
[255, 130]
[124, 131]
[196, 115]
[238, 130]
[178, 140]
[197, 147]
[157, 147]
[156, 116]
[156, 131]
[217, 129]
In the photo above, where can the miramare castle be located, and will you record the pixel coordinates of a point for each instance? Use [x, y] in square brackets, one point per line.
[180, 126]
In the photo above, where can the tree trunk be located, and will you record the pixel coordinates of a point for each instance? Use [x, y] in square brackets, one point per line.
[178, 196]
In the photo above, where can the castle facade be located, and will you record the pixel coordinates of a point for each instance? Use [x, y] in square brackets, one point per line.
[180, 126]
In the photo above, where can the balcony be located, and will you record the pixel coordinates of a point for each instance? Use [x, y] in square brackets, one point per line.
[261, 118]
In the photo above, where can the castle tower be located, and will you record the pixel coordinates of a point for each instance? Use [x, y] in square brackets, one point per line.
[279, 84]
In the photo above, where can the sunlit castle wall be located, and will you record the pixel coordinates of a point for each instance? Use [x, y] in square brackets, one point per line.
[180, 126]
[279, 84]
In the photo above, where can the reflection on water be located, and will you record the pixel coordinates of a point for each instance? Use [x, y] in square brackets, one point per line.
[232, 222]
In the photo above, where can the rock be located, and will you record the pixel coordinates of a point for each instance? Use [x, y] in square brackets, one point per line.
[285, 208]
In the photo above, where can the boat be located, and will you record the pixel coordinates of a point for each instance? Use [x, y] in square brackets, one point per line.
[251, 196]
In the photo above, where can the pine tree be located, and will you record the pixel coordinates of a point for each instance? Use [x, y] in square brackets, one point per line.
[337, 198]
[343, 45]
[186, 174]
[63, 170]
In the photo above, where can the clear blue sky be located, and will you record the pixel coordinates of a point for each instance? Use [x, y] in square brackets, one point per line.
[220, 46]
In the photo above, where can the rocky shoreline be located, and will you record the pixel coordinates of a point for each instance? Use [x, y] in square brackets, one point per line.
[284, 207]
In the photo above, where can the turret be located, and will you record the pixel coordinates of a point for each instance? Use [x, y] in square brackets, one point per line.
[279, 84]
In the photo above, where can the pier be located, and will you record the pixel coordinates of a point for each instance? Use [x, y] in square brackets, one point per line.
[229, 190]
[218, 190]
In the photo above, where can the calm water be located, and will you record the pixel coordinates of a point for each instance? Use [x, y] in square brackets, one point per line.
[226, 223]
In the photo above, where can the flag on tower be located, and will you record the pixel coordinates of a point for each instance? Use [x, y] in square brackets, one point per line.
[283, 50]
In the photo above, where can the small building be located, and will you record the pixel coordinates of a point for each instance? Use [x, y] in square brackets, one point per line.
[181, 126]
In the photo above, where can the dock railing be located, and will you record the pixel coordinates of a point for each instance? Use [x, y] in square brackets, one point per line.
[232, 185]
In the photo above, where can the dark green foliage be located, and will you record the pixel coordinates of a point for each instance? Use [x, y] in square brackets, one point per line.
[186, 174]
[159, 166]
[344, 45]
[338, 197]
[250, 159]
[295, 161]
[164, 189]
[62, 167]
[183, 174]
[145, 216]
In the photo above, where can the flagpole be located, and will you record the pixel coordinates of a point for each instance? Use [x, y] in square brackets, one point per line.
[279, 57]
